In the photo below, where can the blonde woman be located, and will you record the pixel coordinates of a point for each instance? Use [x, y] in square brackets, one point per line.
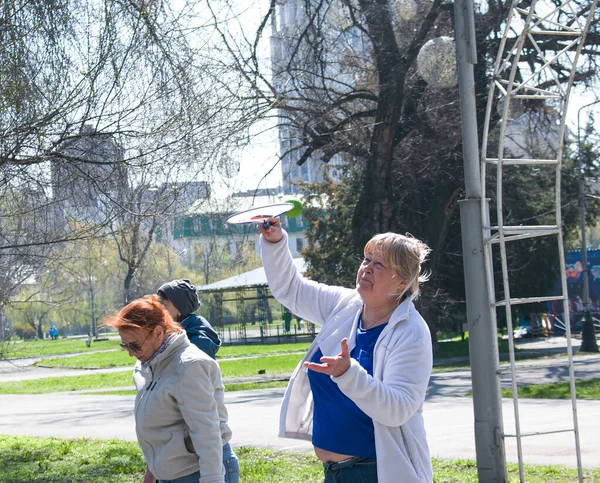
[358, 393]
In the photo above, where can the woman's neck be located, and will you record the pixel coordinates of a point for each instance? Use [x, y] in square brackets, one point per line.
[374, 316]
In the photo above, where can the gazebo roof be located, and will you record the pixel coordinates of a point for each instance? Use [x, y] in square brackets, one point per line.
[247, 280]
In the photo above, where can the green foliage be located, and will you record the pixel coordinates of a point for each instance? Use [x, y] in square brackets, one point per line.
[63, 292]
[402, 153]
[533, 264]
[330, 254]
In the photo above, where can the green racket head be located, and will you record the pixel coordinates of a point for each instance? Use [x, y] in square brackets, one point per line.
[296, 210]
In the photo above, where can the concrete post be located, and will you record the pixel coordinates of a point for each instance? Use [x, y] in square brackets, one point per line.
[483, 341]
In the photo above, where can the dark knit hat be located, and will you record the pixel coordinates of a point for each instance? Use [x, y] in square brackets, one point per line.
[182, 295]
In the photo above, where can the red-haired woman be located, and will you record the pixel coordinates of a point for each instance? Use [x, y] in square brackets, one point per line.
[180, 416]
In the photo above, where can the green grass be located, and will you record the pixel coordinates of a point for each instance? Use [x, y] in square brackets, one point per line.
[60, 346]
[68, 383]
[584, 389]
[53, 460]
[280, 364]
[99, 360]
[460, 348]
[465, 471]
[254, 349]
[103, 360]
[235, 368]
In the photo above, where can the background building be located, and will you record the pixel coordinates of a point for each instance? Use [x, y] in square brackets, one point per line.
[88, 176]
[205, 223]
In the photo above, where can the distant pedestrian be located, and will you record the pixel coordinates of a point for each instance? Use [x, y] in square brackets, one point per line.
[180, 299]
[53, 332]
[180, 415]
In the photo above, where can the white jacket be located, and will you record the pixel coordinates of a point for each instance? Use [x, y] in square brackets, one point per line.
[181, 396]
[402, 361]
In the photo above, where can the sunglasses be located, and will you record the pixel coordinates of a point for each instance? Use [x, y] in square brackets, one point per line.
[134, 347]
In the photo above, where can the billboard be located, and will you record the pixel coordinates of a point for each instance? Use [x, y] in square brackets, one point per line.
[574, 276]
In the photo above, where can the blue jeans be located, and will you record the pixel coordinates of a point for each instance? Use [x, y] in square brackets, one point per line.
[232, 465]
[355, 470]
[232, 469]
[193, 478]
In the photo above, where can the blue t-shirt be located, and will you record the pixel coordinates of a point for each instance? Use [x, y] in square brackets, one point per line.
[338, 424]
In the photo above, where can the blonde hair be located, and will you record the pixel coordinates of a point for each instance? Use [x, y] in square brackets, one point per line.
[404, 254]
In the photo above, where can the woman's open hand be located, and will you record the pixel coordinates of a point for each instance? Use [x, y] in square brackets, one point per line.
[333, 366]
[273, 233]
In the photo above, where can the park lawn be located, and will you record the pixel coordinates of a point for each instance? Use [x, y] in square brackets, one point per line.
[31, 348]
[97, 360]
[584, 389]
[52, 460]
[230, 369]
[68, 383]
[256, 349]
[103, 360]
[267, 365]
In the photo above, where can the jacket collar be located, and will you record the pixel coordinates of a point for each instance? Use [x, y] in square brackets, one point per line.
[402, 311]
[179, 340]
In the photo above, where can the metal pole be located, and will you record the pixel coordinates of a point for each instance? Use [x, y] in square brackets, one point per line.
[483, 341]
[588, 336]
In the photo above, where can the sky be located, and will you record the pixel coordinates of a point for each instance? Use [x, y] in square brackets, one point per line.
[258, 163]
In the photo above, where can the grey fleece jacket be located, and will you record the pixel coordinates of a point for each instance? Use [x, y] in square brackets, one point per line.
[181, 394]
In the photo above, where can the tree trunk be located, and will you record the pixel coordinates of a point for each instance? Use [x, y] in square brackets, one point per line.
[374, 210]
[127, 285]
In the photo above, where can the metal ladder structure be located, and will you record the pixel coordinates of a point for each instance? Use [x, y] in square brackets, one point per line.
[515, 81]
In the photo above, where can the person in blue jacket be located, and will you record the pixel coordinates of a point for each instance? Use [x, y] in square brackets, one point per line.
[180, 299]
